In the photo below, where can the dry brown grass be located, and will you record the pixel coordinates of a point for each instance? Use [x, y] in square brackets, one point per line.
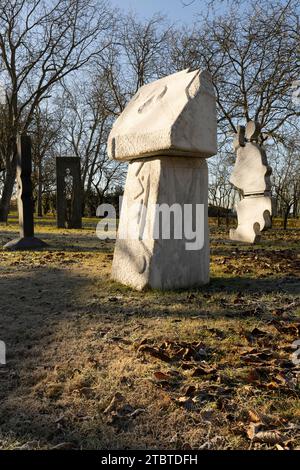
[78, 371]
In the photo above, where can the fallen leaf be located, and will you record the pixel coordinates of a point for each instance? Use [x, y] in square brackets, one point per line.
[253, 429]
[253, 416]
[203, 370]
[154, 352]
[258, 356]
[256, 433]
[161, 376]
[258, 333]
[292, 329]
[272, 385]
[268, 437]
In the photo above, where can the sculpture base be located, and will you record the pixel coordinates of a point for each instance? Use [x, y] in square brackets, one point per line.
[254, 216]
[25, 243]
[155, 260]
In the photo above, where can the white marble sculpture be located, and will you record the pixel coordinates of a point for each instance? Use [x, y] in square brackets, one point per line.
[251, 174]
[171, 116]
[166, 133]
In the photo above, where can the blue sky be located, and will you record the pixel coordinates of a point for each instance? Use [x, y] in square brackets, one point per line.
[174, 9]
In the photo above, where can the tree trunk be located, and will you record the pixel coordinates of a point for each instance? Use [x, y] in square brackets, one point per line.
[40, 190]
[7, 191]
[218, 217]
[295, 205]
[285, 219]
[227, 219]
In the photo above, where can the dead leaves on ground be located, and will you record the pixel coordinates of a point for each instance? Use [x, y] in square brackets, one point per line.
[260, 263]
[195, 375]
[194, 397]
[155, 352]
[244, 306]
[44, 259]
[167, 380]
[292, 329]
[269, 431]
[266, 363]
[255, 433]
[269, 354]
[173, 351]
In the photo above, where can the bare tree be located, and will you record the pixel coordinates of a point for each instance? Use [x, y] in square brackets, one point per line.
[221, 192]
[45, 129]
[145, 46]
[136, 56]
[252, 54]
[90, 112]
[41, 43]
[286, 176]
[253, 60]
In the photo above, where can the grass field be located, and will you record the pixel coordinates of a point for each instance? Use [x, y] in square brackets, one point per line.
[92, 364]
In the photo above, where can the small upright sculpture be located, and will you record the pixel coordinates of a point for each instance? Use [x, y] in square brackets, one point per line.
[166, 133]
[68, 192]
[251, 174]
[27, 240]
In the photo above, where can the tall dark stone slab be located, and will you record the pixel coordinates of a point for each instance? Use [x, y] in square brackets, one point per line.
[27, 240]
[68, 192]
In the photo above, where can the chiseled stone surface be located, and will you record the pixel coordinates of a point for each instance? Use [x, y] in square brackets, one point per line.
[251, 174]
[254, 215]
[166, 132]
[175, 115]
[161, 263]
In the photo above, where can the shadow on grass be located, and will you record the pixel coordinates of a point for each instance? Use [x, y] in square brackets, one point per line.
[34, 305]
[251, 285]
[69, 242]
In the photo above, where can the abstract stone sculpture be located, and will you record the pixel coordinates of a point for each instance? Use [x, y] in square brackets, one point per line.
[27, 240]
[68, 192]
[166, 132]
[172, 116]
[251, 174]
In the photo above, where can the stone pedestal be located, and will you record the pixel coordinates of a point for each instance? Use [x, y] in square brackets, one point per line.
[163, 231]
[27, 240]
